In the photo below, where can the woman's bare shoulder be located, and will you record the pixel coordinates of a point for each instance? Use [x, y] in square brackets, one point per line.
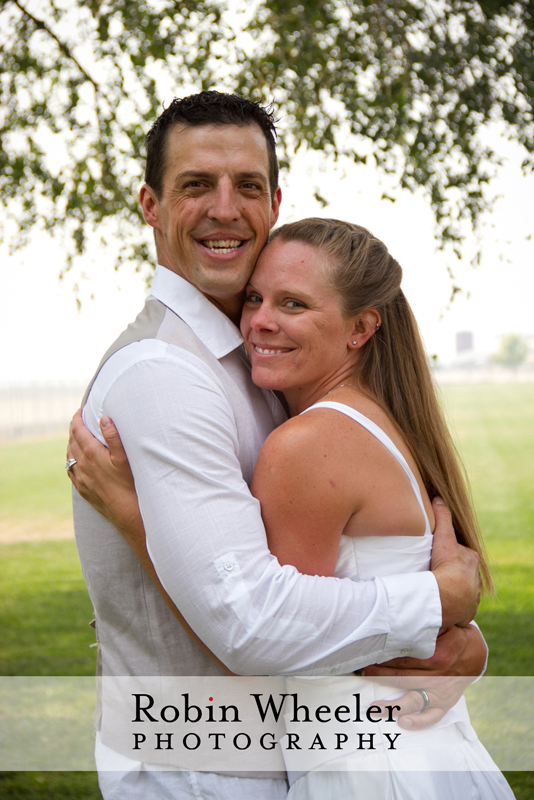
[315, 438]
[307, 490]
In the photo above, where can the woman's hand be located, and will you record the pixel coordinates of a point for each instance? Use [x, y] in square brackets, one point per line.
[103, 476]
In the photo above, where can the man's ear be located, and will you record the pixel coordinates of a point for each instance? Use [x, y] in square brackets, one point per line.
[365, 325]
[149, 206]
[275, 207]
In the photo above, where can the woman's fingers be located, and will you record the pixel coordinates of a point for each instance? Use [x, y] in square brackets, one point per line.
[113, 441]
[425, 702]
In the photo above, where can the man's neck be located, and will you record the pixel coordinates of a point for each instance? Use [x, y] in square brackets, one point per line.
[231, 308]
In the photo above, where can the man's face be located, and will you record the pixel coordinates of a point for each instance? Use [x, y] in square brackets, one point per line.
[215, 210]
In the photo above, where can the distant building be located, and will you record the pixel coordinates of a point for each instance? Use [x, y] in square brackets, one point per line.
[464, 341]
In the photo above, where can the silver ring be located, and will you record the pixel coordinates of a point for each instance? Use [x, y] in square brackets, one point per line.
[70, 463]
[426, 700]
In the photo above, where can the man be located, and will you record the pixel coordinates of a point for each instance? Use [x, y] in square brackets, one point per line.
[177, 385]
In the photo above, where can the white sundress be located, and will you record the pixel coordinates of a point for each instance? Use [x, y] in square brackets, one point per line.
[445, 762]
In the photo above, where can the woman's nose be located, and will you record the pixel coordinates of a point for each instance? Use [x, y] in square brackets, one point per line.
[264, 319]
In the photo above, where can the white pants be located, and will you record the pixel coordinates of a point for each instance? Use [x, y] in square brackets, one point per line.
[122, 778]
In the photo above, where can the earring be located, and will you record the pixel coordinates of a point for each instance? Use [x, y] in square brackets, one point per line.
[377, 326]
[355, 343]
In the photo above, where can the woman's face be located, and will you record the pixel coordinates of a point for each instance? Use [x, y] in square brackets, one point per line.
[295, 332]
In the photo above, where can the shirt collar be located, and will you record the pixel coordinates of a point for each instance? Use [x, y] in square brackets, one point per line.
[212, 327]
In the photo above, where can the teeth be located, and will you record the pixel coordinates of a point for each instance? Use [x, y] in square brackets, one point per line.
[265, 351]
[222, 245]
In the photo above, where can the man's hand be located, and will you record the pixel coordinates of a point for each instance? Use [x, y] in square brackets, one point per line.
[102, 475]
[455, 568]
[460, 653]
[459, 659]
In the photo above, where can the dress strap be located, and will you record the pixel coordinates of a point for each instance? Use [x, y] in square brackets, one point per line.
[376, 431]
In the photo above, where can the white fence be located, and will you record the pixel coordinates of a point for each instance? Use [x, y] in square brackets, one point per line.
[38, 408]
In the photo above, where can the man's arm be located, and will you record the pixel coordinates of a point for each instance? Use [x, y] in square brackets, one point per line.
[210, 553]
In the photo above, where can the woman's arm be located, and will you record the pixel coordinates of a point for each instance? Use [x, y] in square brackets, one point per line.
[103, 477]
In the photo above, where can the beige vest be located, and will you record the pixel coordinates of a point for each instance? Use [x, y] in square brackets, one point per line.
[138, 635]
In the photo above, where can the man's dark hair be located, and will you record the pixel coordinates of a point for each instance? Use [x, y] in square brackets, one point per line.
[207, 108]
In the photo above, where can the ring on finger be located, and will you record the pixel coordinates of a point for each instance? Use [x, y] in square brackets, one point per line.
[70, 463]
[426, 700]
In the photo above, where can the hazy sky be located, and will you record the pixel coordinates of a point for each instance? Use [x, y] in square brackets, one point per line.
[42, 336]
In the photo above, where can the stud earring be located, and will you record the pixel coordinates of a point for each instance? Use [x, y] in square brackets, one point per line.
[355, 343]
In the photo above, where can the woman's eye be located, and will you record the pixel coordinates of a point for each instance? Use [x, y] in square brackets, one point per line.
[294, 304]
[253, 298]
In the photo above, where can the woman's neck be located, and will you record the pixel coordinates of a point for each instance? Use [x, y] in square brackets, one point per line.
[299, 398]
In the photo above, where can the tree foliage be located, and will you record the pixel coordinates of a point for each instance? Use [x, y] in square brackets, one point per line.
[408, 83]
[78, 91]
[416, 79]
[512, 352]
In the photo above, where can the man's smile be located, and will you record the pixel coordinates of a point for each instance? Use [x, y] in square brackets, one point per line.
[222, 245]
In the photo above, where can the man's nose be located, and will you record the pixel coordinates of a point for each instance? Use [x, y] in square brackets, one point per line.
[225, 206]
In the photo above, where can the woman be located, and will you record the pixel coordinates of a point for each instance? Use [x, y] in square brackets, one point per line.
[326, 323]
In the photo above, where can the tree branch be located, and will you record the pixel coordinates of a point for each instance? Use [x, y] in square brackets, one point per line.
[62, 46]
[41, 25]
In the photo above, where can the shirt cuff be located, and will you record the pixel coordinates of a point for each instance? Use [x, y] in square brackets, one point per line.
[414, 614]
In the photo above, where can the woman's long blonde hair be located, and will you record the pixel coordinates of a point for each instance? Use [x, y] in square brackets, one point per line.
[393, 365]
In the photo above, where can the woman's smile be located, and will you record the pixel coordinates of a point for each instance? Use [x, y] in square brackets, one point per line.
[269, 350]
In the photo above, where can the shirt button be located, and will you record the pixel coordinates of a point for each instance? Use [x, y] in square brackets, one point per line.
[335, 671]
[406, 651]
[228, 566]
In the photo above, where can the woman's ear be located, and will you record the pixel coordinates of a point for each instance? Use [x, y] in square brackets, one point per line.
[365, 325]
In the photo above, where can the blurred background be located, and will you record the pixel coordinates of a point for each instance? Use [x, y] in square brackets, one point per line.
[414, 120]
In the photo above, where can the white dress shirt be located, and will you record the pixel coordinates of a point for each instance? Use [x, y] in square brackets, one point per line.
[204, 529]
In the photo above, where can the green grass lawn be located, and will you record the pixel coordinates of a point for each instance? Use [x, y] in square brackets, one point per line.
[494, 426]
[44, 606]
[33, 485]
[45, 610]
